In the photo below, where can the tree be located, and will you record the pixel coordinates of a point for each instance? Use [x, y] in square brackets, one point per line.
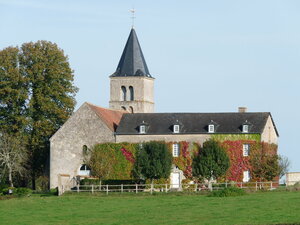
[51, 97]
[211, 162]
[37, 89]
[13, 92]
[13, 155]
[284, 165]
[101, 161]
[265, 163]
[153, 161]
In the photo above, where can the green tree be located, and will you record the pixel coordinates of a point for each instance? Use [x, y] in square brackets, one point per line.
[51, 97]
[212, 161]
[153, 161]
[13, 92]
[13, 155]
[37, 96]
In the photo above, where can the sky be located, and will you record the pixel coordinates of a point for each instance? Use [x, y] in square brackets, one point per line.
[206, 56]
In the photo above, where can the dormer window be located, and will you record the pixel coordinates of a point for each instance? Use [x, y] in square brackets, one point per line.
[211, 128]
[142, 129]
[175, 128]
[245, 128]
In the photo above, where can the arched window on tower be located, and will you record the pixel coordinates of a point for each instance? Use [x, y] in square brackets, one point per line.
[130, 109]
[131, 93]
[123, 93]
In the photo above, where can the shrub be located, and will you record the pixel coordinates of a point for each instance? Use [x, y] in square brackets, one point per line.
[54, 191]
[5, 191]
[22, 191]
[227, 192]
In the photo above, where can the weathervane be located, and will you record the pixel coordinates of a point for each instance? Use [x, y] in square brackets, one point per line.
[132, 17]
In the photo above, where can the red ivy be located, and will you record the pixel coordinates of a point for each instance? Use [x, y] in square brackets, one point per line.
[128, 155]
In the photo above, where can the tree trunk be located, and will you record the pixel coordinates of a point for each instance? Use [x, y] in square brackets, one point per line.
[33, 180]
[10, 177]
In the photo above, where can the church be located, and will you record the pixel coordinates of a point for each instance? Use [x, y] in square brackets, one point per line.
[131, 118]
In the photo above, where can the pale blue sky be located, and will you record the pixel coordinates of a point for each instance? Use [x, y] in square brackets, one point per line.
[206, 56]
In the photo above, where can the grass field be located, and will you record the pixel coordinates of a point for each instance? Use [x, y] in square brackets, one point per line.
[257, 208]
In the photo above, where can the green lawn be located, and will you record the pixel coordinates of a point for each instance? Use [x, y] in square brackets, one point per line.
[258, 208]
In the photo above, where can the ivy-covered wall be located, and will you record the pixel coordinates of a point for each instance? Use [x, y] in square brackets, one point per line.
[122, 155]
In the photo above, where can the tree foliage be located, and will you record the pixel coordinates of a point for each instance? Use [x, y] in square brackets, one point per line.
[284, 165]
[13, 92]
[153, 161]
[36, 96]
[265, 163]
[112, 160]
[211, 162]
[13, 155]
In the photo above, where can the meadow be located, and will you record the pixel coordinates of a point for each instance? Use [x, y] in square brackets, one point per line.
[85, 208]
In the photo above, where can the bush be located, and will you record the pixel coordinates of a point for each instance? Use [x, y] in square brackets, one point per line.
[227, 192]
[22, 191]
[5, 191]
[54, 191]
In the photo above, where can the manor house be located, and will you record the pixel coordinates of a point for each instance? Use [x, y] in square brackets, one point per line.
[131, 118]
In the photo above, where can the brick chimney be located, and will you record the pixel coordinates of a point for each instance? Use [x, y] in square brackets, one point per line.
[242, 109]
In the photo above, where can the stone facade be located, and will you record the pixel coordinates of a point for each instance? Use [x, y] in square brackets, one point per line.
[269, 134]
[66, 145]
[143, 94]
[292, 178]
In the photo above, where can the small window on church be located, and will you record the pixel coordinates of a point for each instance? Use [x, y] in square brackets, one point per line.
[131, 92]
[84, 170]
[84, 149]
[175, 128]
[211, 128]
[245, 128]
[142, 129]
[175, 150]
[123, 93]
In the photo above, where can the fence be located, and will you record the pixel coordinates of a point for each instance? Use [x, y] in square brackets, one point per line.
[150, 188]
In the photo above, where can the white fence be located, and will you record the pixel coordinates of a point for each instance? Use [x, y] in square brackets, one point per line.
[150, 188]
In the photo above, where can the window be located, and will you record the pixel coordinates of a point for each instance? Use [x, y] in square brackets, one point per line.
[123, 93]
[176, 128]
[84, 170]
[245, 128]
[246, 149]
[84, 149]
[211, 128]
[142, 129]
[130, 109]
[175, 150]
[246, 176]
[131, 92]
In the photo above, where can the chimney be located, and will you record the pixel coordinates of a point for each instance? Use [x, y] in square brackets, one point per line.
[242, 109]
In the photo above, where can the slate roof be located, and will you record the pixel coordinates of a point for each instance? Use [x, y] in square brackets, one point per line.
[109, 116]
[132, 62]
[192, 123]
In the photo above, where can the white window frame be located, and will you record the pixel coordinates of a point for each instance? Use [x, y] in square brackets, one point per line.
[175, 128]
[211, 128]
[246, 176]
[142, 129]
[245, 128]
[246, 149]
[175, 150]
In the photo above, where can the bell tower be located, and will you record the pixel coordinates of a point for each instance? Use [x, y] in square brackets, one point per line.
[132, 86]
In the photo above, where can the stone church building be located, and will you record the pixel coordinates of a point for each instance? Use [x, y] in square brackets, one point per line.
[131, 118]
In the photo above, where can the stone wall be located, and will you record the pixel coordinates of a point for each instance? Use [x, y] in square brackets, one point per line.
[143, 94]
[83, 128]
[292, 178]
[269, 133]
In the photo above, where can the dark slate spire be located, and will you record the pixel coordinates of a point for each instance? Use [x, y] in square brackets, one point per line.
[132, 62]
